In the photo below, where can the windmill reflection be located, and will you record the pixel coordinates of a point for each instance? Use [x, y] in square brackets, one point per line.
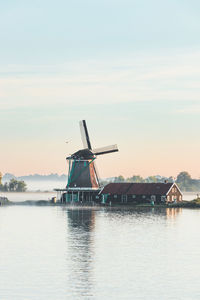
[81, 250]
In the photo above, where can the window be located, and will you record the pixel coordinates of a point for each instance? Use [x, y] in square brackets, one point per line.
[180, 198]
[133, 196]
[143, 196]
[163, 198]
[115, 196]
[74, 197]
[124, 199]
[153, 198]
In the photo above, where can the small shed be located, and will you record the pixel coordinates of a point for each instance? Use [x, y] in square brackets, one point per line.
[133, 193]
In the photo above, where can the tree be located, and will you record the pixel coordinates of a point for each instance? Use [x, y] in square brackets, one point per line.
[5, 187]
[186, 183]
[21, 186]
[171, 179]
[183, 177]
[151, 179]
[120, 178]
[12, 185]
[135, 178]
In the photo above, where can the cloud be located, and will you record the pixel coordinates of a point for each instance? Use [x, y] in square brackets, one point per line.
[165, 77]
[193, 109]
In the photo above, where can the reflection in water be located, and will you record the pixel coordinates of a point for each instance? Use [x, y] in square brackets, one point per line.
[143, 212]
[81, 218]
[124, 225]
[81, 251]
[172, 213]
[109, 253]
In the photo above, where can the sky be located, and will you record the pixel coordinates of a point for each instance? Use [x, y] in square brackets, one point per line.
[130, 68]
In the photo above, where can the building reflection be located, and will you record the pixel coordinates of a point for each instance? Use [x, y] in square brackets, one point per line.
[172, 213]
[134, 212]
[80, 254]
[81, 224]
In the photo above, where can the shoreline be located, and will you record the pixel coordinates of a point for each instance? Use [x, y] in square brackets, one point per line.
[184, 204]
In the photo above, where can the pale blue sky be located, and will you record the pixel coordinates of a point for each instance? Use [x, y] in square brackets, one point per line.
[130, 68]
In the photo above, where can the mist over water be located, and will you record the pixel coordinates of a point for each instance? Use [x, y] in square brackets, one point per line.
[50, 253]
[36, 190]
[45, 185]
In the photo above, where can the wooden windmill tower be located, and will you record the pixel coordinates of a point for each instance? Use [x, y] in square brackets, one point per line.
[83, 180]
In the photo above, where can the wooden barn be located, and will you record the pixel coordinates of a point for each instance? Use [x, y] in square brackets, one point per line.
[134, 193]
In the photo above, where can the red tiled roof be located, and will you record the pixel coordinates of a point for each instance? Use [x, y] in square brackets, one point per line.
[137, 188]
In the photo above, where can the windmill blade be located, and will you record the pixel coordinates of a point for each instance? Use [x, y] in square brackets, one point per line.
[105, 150]
[85, 135]
[97, 173]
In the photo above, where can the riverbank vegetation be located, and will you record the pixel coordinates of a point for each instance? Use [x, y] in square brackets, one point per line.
[187, 204]
[13, 186]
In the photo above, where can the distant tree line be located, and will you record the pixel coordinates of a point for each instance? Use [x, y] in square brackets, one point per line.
[183, 180]
[13, 186]
[36, 177]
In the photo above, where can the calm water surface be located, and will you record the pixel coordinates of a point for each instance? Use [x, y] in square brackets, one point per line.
[57, 253]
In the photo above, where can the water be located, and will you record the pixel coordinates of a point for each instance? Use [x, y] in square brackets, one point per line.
[188, 196]
[18, 197]
[57, 253]
[45, 185]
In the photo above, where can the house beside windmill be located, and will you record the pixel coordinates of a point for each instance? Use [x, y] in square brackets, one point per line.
[135, 193]
[83, 181]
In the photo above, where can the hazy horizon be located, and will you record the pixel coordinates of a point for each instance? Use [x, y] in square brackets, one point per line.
[64, 176]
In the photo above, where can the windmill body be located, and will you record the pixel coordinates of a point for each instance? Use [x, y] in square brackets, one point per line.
[82, 174]
[83, 180]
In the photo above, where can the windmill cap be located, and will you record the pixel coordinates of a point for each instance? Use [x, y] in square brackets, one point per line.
[82, 154]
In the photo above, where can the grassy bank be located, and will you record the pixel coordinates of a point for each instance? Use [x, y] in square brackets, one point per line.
[183, 204]
[187, 204]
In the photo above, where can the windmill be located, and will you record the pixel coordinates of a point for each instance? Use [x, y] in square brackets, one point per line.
[82, 169]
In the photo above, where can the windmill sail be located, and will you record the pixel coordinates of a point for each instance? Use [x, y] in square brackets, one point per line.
[105, 150]
[96, 173]
[83, 172]
[85, 135]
